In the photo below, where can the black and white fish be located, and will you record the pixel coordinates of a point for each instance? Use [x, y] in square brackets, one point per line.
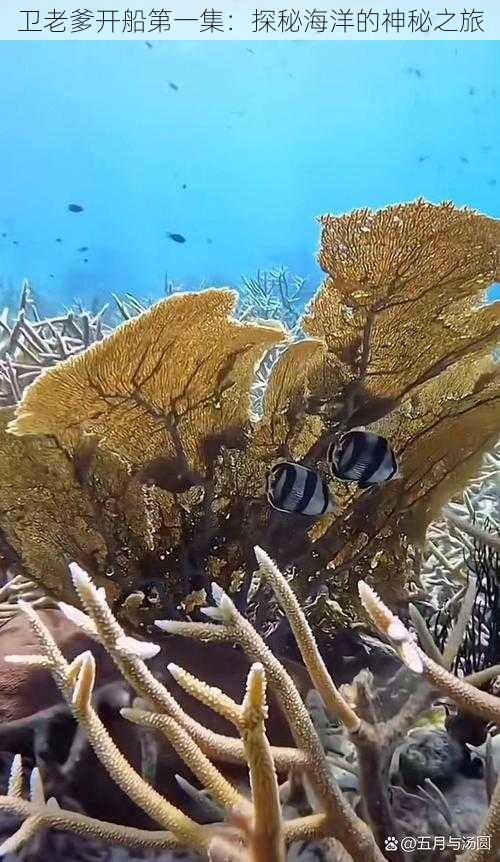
[362, 457]
[293, 488]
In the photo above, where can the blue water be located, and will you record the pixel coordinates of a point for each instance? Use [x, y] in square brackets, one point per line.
[264, 136]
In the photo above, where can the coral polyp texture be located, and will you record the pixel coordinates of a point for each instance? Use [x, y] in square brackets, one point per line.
[143, 454]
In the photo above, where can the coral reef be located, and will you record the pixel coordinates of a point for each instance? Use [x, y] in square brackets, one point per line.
[258, 826]
[138, 454]
[143, 454]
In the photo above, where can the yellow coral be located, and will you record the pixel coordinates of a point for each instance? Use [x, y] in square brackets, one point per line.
[157, 417]
[441, 433]
[400, 303]
[179, 374]
[44, 515]
[286, 395]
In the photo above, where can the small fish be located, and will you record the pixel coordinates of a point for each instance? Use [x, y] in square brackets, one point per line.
[85, 260]
[75, 208]
[58, 239]
[173, 86]
[293, 488]
[149, 44]
[51, 275]
[464, 159]
[362, 457]
[177, 237]
[184, 185]
[472, 91]
[4, 235]
[492, 182]
[15, 242]
[423, 158]
[209, 241]
[84, 248]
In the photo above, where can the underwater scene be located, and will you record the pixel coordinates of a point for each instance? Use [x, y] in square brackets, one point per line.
[250, 448]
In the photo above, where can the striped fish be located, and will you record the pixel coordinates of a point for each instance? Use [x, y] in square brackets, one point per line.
[293, 488]
[362, 457]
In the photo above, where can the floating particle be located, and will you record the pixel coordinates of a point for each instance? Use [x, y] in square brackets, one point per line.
[172, 85]
[4, 235]
[472, 91]
[15, 242]
[176, 237]
[423, 158]
[492, 182]
[209, 241]
[75, 208]
[84, 248]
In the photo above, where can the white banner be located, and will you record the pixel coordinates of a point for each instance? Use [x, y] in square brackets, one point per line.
[245, 20]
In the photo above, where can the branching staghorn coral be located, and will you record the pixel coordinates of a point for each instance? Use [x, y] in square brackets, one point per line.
[29, 343]
[273, 294]
[15, 588]
[461, 692]
[257, 825]
[463, 543]
[255, 830]
[442, 567]
[164, 461]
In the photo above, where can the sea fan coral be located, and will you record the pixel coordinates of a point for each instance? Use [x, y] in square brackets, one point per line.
[164, 461]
